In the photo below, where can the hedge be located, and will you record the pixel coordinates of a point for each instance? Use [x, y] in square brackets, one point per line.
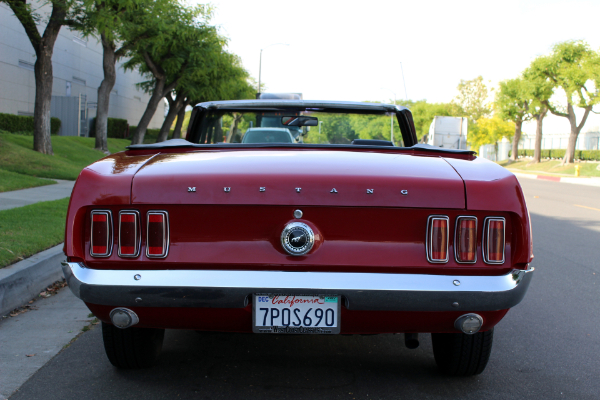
[116, 128]
[590, 155]
[22, 123]
[150, 133]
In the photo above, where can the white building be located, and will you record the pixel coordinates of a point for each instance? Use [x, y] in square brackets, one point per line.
[77, 70]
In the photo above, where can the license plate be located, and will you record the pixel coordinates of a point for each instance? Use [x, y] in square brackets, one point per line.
[306, 314]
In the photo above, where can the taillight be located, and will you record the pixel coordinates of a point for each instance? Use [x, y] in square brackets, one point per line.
[129, 233]
[437, 239]
[101, 238]
[493, 245]
[465, 239]
[157, 239]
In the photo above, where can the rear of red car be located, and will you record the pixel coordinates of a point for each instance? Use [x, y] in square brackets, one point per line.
[299, 239]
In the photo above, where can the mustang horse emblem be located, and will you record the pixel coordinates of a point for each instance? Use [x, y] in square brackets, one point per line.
[297, 238]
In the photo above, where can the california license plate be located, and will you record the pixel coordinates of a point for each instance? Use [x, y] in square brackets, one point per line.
[306, 314]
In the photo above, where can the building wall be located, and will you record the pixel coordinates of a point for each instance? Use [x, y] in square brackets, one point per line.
[76, 63]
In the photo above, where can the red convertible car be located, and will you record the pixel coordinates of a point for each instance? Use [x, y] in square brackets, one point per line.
[342, 225]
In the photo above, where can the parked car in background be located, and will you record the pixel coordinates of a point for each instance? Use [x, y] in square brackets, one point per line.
[359, 237]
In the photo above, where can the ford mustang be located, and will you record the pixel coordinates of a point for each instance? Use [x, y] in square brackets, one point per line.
[348, 226]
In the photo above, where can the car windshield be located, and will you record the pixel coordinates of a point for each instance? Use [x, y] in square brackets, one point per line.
[268, 127]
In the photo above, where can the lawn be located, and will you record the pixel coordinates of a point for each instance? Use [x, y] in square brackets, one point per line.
[13, 181]
[27, 230]
[554, 167]
[71, 155]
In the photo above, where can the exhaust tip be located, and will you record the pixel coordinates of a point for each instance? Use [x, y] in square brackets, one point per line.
[123, 318]
[469, 323]
[411, 340]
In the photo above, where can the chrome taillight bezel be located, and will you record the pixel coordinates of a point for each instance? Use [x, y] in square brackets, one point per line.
[486, 233]
[165, 233]
[429, 238]
[109, 233]
[138, 234]
[456, 244]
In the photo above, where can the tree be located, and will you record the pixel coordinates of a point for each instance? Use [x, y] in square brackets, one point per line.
[472, 99]
[513, 104]
[164, 56]
[539, 89]
[62, 13]
[490, 130]
[574, 68]
[118, 24]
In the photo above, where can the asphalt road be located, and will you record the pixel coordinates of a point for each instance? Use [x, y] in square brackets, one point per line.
[547, 347]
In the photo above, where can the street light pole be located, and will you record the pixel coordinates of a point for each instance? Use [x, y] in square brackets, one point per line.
[392, 118]
[260, 64]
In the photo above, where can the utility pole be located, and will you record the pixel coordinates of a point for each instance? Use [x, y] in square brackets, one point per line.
[260, 65]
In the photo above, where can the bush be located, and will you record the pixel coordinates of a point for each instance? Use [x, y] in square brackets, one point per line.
[589, 155]
[23, 123]
[151, 134]
[116, 128]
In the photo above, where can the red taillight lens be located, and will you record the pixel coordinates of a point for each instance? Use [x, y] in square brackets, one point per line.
[101, 238]
[466, 239]
[494, 243]
[129, 234]
[437, 239]
[157, 243]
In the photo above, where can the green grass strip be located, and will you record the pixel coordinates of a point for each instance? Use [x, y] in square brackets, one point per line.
[25, 231]
[71, 155]
[13, 181]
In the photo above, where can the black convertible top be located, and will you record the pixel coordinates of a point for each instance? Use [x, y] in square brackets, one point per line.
[303, 104]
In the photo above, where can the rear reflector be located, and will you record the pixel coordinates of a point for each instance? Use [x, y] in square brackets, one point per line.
[466, 240]
[437, 239]
[493, 252]
[101, 237]
[157, 240]
[129, 233]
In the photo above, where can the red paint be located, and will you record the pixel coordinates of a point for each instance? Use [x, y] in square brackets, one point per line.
[354, 231]
[549, 178]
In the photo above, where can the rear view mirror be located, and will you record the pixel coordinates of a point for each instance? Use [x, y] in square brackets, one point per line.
[299, 121]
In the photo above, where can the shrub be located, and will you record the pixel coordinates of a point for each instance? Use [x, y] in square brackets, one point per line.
[23, 123]
[590, 155]
[116, 128]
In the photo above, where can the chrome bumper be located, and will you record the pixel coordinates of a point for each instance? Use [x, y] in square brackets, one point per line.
[361, 291]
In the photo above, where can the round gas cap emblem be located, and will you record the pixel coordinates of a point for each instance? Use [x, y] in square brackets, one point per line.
[297, 238]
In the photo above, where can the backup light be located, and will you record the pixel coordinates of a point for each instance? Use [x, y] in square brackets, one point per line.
[469, 323]
[494, 240]
[129, 233]
[157, 239]
[101, 237]
[465, 244]
[437, 239]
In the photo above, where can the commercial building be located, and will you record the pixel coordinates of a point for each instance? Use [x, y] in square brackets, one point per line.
[77, 70]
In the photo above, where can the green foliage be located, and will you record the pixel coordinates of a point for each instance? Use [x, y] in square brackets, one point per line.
[116, 128]
[513, 100]
[423, 114]
[490, 130]
[13, 181]
[71, 155]
[344, 128]
[587, 155]
[27, 230]
[472, 99]
[22, 124]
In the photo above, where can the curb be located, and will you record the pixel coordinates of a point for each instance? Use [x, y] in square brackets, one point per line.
[563, 179]
[24, 280]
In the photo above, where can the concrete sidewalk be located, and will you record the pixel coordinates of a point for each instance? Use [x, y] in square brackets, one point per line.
[587, 181]
[30, 340]
[23, 197]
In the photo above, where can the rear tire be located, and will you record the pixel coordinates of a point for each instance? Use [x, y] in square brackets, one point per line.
[132, 348]
[458, 354]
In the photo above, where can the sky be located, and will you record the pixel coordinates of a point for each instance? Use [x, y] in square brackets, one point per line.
[380, 50]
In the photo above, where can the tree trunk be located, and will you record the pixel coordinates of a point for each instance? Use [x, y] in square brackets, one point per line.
[515, 146]
[179, 124]
[537, 153]
[237, 117]
[109, 60]
[575, 129]
[43, 98]
[174, 107]
[157, 95]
